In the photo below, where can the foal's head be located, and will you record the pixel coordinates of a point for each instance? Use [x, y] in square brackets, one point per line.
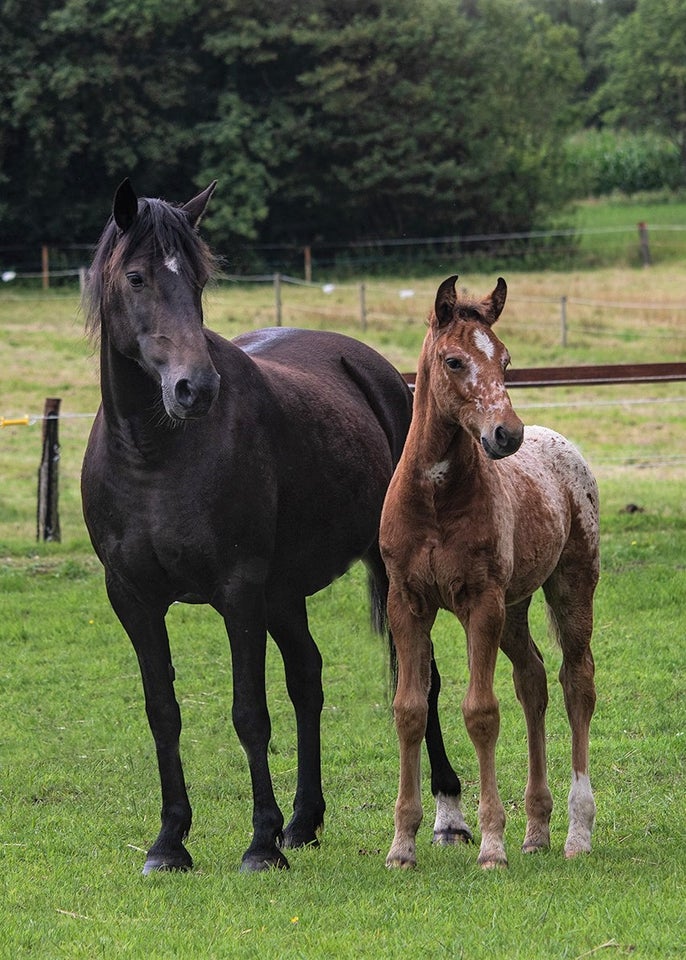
[145, 292]
[466, 368]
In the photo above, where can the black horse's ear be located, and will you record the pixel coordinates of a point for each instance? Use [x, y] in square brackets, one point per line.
[496, 301]
[195, 208]
[125, 205]
[446, 301]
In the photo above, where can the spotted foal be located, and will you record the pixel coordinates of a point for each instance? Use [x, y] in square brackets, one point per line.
[480, 513]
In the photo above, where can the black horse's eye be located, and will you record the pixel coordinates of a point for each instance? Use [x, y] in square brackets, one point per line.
[135, 280]
[454, 363]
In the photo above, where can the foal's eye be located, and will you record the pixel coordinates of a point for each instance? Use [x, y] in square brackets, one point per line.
[453, 363]
[135, 280]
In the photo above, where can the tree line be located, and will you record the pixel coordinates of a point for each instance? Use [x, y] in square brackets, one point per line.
[322, 120]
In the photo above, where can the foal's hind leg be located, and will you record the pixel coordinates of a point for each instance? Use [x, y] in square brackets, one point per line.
[531, 688]
[570, 599]
[287, 623]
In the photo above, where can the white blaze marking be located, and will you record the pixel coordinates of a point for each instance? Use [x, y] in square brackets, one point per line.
[171, 263]
[482, 342]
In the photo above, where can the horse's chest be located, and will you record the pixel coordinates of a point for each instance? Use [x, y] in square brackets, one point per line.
[454, 566]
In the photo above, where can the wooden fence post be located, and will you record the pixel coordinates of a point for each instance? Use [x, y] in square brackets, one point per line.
[563, 321]
[643, 243]
[277, 297]
[363, 306]
[48, 527]
[308, 264]
[45, 266]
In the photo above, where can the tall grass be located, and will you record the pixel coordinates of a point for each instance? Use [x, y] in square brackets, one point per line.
[79, 797]
[605, 162]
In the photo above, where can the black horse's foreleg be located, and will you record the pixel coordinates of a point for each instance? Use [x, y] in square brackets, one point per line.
[248, 638]
[303, 667]
[450, 826]
[146, 628]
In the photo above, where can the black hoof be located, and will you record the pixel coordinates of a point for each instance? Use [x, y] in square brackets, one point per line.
[296, 836]
[258, 863]
[161, 863]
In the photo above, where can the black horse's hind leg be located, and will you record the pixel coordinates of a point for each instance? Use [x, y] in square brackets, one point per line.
[247, 631]
[450, 826]
[148, 633]
[303, 666]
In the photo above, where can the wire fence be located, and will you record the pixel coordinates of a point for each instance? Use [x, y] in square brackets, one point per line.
[53, 264]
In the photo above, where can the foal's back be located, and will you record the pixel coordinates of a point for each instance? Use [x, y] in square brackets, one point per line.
[555, 500]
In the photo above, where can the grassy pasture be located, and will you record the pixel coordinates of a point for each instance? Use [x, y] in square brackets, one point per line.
[79, 795]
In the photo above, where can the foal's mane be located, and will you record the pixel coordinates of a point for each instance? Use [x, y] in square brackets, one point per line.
[159, 229]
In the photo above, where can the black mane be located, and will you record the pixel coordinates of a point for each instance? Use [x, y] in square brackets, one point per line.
[160, 229]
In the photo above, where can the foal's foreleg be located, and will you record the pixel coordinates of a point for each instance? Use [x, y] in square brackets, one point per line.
[482, 718]
[531, 688]
[410, 708]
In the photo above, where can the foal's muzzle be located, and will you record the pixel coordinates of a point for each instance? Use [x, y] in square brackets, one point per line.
[503, 441]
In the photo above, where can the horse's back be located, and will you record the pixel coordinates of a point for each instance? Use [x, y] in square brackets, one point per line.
[562, 475]
[339, 418]
[315, 367]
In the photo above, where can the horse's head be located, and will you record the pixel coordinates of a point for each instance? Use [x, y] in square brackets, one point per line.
[467, 368]
[145, 292]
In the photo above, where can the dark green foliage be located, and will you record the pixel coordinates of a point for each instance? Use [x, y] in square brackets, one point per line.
[646, 71]
[321, 120]
[330, 122]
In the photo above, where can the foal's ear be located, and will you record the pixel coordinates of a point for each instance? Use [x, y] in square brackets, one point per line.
[125, 205]
[446, 301]
[496, 301]
[195, 208]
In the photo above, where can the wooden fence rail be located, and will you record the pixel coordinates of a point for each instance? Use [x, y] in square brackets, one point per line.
[589, 375]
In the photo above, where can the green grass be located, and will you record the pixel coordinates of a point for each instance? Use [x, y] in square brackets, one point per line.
[616, 221]
[79, 795]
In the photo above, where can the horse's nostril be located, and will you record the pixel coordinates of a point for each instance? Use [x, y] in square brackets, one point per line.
[184, 393]
[507, 440]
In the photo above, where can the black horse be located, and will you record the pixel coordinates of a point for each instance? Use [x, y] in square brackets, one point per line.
[246, 475]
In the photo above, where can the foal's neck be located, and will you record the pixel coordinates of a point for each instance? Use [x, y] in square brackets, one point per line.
[437, 449]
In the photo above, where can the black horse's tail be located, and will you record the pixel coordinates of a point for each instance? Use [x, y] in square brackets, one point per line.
[378, 596]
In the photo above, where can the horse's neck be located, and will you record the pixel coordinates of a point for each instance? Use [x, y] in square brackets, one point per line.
[129, 402]
[437, 450]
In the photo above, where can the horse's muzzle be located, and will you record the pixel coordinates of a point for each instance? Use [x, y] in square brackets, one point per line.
[503, 441]
[192, 397]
